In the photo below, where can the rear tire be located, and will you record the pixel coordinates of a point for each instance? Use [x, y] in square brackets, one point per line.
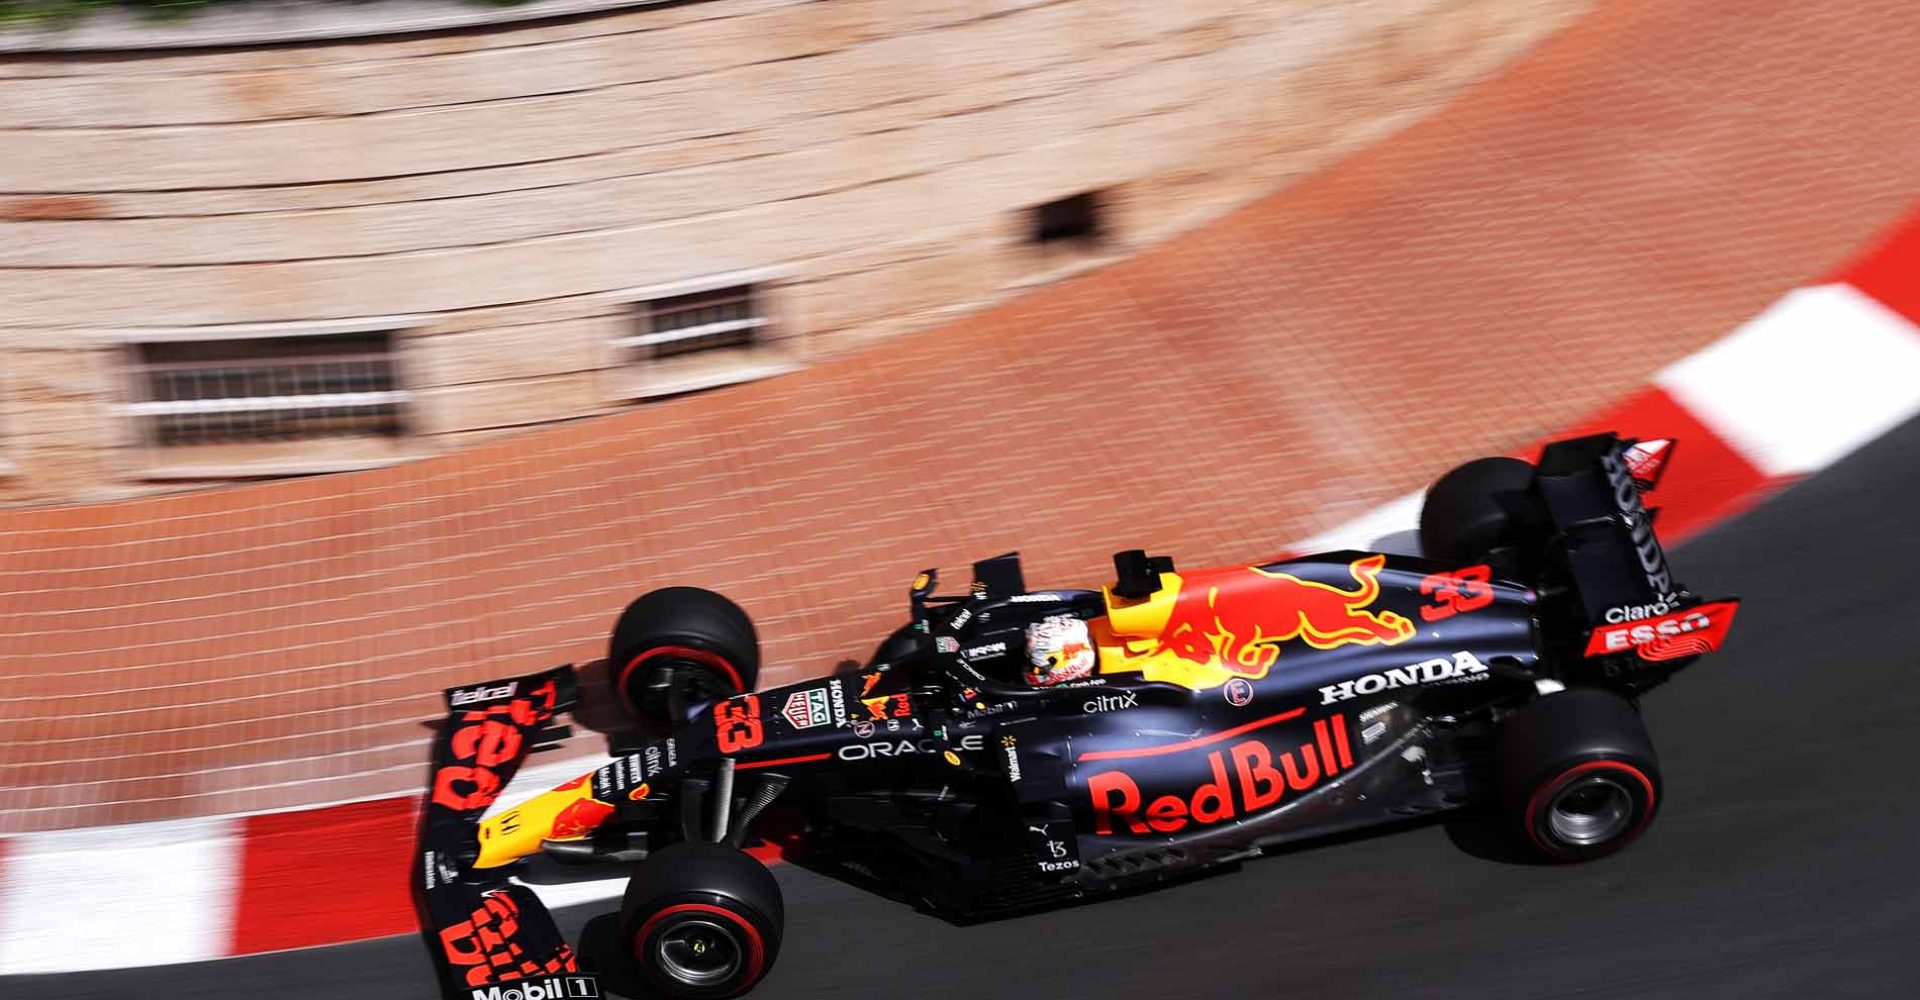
[1578, 775]
[1476, 508]
[702, 921]
[681, 643]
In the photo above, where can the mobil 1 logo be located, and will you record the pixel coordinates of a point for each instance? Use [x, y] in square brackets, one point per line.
[571, 986]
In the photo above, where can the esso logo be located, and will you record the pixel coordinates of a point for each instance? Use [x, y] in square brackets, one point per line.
[1646, 632]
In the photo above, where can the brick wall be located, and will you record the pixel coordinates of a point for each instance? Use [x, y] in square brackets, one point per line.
[498, 187]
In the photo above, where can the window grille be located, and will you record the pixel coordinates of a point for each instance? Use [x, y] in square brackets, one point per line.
[199, 392]
[695, 322]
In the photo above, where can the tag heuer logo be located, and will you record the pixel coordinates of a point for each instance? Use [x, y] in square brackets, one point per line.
[806, 709]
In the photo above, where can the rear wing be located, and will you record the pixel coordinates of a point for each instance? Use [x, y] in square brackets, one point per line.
[1628, 598]
[481, 929]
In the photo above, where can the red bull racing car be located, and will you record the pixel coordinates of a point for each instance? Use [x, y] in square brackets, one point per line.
[1010, 748]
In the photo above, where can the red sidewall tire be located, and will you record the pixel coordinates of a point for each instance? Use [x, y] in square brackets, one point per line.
[713, 662]
[678, 636]
[1643, 792]
[752, 940]
[711, 882]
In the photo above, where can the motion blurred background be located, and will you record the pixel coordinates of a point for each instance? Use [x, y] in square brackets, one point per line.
[352, 351]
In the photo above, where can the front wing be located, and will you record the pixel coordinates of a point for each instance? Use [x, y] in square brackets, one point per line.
[481, 929]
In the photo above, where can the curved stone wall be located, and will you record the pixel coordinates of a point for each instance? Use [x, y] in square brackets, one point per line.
[491, 191]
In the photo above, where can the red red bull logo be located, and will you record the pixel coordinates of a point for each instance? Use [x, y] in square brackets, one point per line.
[1210, 626]
[1246, 778]
[580, 818]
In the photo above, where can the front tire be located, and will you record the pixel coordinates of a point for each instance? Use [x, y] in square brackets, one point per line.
[1579, 779]
[681, 645]
[702, 921]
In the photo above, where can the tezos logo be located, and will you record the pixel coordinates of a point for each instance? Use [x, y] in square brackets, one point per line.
[1238, 692]
[468, 696]
[982, 652]
[555, 988]
[1462, 665]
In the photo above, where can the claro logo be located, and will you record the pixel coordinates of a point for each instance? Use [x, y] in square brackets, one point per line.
[1626, 496]
[902, 748]
[1253, 781]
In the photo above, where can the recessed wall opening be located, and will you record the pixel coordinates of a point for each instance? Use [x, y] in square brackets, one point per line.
[190, 393]
[700, 334]
[716, 319]
[1073, 219]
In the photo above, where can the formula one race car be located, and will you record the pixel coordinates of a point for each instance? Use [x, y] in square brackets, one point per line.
[1008, 749]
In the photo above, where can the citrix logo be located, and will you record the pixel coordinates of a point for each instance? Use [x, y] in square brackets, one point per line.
[1112, 702]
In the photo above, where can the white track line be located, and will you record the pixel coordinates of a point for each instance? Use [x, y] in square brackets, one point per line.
[1822, 372]
[151, 894]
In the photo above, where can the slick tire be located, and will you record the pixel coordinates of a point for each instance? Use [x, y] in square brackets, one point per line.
[702, 921]
[1578, 776]
[685, 640]
[1475, 509]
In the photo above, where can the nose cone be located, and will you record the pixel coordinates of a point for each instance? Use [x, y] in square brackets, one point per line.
[569, 812]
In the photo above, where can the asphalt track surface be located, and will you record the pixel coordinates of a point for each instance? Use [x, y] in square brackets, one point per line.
[1782, 863]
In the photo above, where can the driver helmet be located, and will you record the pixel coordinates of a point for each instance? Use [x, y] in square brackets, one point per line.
[1059, 649]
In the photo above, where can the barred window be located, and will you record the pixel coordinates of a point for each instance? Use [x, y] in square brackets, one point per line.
[1073, 219]
[199, 392]
[712, 320]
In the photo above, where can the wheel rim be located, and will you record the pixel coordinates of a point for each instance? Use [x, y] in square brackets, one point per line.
[694, 682]
[1591, 809]
[698, 952]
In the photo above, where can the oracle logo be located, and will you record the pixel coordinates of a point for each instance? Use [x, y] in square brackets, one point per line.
[903, 748]
[1247, 778]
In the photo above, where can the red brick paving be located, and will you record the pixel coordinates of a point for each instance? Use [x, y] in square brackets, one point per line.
[1625, 193]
